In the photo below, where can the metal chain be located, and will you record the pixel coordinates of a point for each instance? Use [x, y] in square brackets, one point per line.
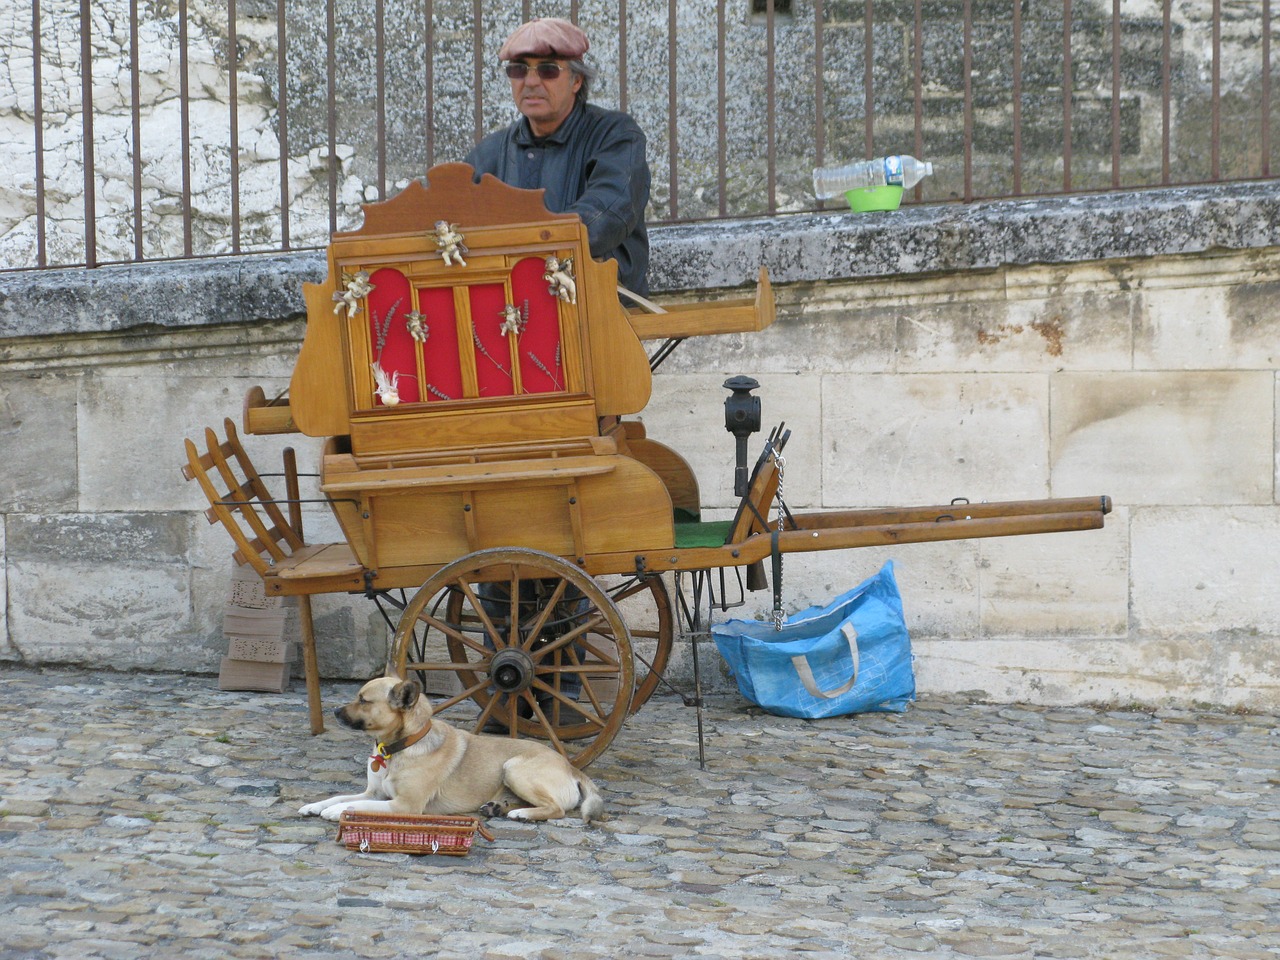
[781, 464]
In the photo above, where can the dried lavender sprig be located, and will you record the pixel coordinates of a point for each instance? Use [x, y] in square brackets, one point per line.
[543, 367]
[438, 393]
[475, 335]
[381, 329]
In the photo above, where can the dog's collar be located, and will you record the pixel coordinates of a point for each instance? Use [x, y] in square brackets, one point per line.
[381, 757]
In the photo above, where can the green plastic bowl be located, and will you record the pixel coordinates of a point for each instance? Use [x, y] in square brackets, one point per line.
[866, 199]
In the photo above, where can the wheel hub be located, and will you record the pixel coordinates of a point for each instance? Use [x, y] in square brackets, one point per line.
[511, 670]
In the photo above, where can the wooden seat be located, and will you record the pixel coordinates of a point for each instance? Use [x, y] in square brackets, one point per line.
[264, 537]
[753, 509]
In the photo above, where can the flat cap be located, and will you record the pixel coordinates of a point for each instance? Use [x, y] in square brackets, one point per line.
[545, 37]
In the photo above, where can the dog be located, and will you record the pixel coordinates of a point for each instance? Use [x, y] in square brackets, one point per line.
[424, 765]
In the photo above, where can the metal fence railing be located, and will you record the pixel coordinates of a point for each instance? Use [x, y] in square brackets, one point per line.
[180, 128]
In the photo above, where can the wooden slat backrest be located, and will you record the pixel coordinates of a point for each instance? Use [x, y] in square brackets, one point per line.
[763, 487]
[240, 501]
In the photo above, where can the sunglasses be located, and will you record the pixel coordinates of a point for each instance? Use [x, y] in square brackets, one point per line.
[545, 71]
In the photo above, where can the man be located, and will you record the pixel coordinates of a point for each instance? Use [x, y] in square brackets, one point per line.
[591, 161]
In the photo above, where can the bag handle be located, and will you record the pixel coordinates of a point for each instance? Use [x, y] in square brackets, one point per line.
[801, 664]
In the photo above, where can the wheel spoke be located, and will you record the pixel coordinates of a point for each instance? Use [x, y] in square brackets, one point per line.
[457, 698]
[547, 725]
[449, 630]
[489, 629]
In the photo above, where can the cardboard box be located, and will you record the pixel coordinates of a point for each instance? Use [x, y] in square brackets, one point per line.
[261, 649]
[253, 675]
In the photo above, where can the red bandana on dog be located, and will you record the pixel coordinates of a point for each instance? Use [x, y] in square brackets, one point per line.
[380, 759]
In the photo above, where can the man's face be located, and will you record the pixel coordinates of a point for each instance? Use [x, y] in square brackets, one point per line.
[545, 100]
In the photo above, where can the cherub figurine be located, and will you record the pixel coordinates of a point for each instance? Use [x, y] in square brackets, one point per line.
[348, 298]
[513, 320]
[417, 324]
[450, 242]
[559, 277]
[387, 385]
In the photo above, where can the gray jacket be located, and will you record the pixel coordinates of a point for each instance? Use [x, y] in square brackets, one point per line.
[592, 165]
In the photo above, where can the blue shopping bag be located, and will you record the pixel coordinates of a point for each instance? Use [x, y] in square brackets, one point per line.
[851, 656]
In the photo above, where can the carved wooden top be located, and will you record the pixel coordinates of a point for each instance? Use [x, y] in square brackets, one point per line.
[452, 194]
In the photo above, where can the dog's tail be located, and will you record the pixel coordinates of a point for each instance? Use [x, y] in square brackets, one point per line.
[591, 806]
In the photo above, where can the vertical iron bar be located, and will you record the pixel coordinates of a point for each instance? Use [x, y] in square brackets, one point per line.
[868, 82]
[135, 104]
[380, 86]
[86, 125]
[37, 115]
[722, 125]
[968, 100]
[1068, 84]
[1166, 91]
[233, 121]
[331, 108]
[1266, 88]
[622, 54]
[771, 108]
[819, 91]
[283, 115]
[672, 143]
[477, 53]
[1216, 101]
[1017, 98]
[1115, 94]
[917, 72]
[429, 54]
[184, 99]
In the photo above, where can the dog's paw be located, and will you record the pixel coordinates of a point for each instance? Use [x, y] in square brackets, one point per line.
[312, 809]
[333, 813]
[493, 809]
[521, 815]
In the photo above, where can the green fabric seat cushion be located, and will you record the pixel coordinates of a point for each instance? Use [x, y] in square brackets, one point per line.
[711, 533]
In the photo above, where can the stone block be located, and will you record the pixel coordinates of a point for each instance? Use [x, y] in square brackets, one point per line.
[1200, 571]
[916, 439]
[132, 428]
[1057, 584]
[1165, 438]
[7, 649]
[1211, 311]
[38, 442]
[109, 589]
[1231, 672]
[1021, 319]
[686, 413]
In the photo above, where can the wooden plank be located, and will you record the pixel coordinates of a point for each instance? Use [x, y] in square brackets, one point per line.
[263, 416]
[466, 476]
[811, 539]
[713, 317]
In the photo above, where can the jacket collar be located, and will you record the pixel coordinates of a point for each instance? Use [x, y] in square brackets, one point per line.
[559, 136]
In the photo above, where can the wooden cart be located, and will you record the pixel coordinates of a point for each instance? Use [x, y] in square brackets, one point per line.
[469, 365]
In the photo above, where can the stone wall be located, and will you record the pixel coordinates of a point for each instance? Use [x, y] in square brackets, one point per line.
[1120, 345]
[434, 119]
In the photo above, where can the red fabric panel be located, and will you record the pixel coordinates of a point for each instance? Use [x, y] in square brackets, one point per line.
[541, 360]
[493, 353]
[440, 352]
[389, 340]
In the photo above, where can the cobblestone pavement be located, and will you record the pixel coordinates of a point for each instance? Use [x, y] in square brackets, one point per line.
[151, 815]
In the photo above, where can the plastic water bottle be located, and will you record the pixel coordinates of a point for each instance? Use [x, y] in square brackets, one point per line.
[894, 171]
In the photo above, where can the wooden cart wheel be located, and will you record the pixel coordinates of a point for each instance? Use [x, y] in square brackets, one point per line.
[565, 674]
[645, 605]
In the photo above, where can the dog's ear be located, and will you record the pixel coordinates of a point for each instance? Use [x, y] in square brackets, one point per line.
[405, 694]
